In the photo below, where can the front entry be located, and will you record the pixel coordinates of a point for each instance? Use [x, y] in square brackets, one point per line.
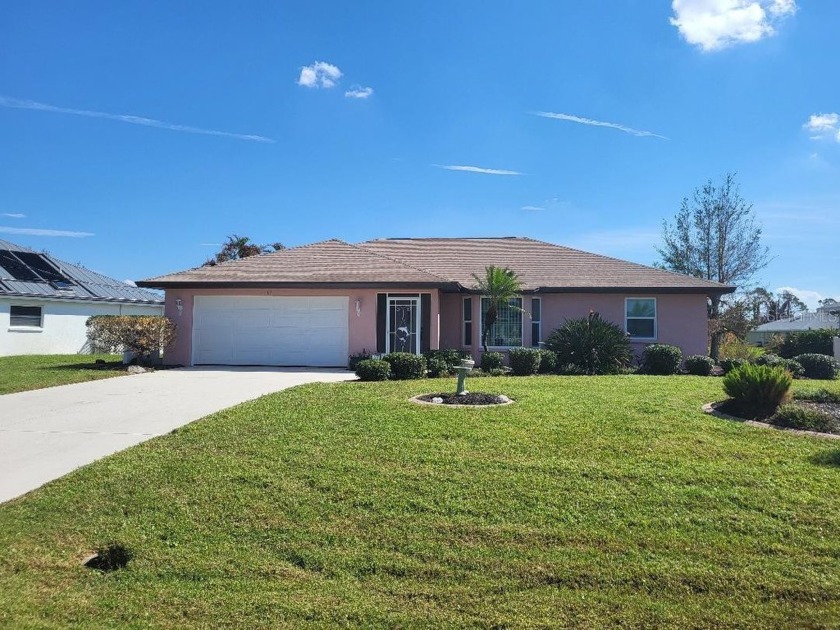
[403, 325]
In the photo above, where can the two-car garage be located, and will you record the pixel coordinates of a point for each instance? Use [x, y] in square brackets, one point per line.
[270, 330]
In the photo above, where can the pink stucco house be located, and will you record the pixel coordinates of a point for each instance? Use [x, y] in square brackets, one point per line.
[315, 305]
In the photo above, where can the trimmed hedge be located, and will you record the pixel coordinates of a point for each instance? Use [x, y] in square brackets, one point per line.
[818, 366]
[808, 342]
[373, 370]
[661, 359]
[727, 365]
[699, 364]
[406, 366]
[524, 361]
[758, 390]
[548, 361]
[492, 361]
[142, 335]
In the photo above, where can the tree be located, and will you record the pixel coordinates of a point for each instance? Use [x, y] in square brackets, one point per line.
[714, 236]
[499, 286]
[236, 247]
[768, 307]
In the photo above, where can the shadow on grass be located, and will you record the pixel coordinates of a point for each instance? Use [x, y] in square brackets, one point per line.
[105, 366]
[826, 458]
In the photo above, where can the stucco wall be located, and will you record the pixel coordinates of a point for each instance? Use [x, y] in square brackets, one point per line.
[63, 328]
[681, 319]
[361, 328]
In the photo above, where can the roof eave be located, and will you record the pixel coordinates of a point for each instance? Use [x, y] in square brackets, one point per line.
[638, 289]
[238, 284]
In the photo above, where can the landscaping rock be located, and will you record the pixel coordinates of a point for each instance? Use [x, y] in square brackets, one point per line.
[437, 400]
[136, 369]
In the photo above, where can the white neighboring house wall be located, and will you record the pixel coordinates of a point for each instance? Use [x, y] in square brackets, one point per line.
[62, 329]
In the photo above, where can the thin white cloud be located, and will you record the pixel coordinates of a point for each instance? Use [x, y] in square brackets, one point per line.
[717, 24]
[357, 91]
[823, 126]
[40, 232]
[477, 169]
[532, 208]
[599, 123]
[13, 215]
[17, 103]
[319, 75]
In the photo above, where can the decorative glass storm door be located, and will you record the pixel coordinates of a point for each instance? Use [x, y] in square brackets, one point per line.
[403, 333]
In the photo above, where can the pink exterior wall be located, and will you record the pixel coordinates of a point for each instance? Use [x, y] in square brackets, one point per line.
[681, 318]
[361, 329]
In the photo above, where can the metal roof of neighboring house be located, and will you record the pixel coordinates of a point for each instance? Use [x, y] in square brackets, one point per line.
[28, 273]
[801, 321]
[445, 262]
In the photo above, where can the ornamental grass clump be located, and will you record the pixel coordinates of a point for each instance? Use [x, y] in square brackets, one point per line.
[757, 390]
[591, 344]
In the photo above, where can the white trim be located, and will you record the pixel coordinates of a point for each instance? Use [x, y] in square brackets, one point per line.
[418, 321]
[464, 323]
[655, 317]
[535, 343]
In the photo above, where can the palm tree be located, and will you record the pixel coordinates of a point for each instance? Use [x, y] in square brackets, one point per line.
[499, 286]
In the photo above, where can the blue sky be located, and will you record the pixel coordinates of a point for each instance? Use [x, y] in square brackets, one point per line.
[147, 132]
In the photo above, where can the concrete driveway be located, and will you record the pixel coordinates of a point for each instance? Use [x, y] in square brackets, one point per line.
[47, 433]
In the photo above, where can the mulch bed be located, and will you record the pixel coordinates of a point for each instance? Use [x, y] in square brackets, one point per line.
[472, 398]
[727, 409]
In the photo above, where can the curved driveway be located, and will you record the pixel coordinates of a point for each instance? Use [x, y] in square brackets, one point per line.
[47, 433]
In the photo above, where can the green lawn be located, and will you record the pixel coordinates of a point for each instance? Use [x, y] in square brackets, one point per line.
[591, 502]
[36, 371]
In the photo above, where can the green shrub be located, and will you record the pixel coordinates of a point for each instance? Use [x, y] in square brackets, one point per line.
[524, 361]
[821, 395]
[699, 364]
[770, 359]
[757, 390]
[548, 361]
[734, 348]
[373, 370]
[145, 336]
[570, 369]
[795, 416]
[405, 366]
[808, 342]
[662, 359]
[452, 358]
[479, 373]
[727, 365]
[818, 366]
[437, 367]
[492, 361]
[592, 344]
[793, 366]
[355, 359]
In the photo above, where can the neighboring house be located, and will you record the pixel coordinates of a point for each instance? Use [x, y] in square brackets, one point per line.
[824, 317]
[45, 302]
[314, 305]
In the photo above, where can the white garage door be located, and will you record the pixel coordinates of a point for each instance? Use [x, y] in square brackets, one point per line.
[309, 331]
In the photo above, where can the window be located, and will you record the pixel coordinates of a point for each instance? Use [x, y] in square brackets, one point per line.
[468, 321]
[25, 316]
[536, 321]
[507, 330]
[641, 317]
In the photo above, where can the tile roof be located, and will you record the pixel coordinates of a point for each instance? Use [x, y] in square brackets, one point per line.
[447, 262]
[332, 261]
[84, 284]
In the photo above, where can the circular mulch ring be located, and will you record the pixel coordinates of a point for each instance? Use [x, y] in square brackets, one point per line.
[471, 399]
[711, 409]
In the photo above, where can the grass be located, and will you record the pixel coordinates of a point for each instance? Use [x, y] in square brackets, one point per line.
[590, 502]
[26, 372]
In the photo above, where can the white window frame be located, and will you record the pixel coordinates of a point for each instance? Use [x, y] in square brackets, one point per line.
[655, 318]
[24, 327]
[535, 342]
[521, 324]
[465, 321]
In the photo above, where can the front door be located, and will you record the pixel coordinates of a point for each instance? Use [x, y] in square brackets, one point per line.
[403, 330]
